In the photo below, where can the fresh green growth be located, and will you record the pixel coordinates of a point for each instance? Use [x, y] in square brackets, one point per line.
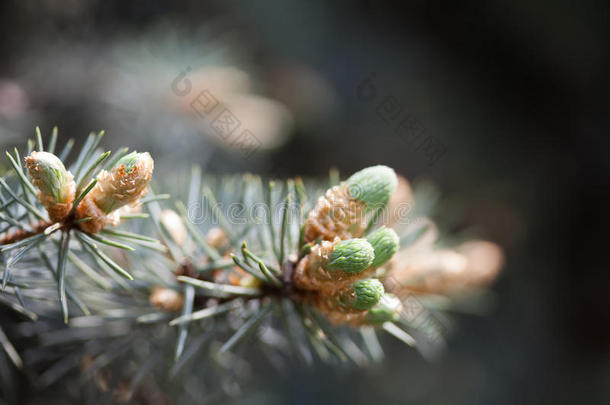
[385, 242]
[49, 174]
[351, 256]
[367, 294]
[129, 160]
[373, 186]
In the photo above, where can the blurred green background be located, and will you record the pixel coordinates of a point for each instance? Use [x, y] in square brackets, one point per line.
[503, 106]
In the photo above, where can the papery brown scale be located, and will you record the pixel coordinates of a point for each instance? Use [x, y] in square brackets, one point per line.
[88, 208]
[336, 214]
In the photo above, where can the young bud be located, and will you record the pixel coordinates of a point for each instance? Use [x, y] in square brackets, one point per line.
[373, 186]
[336, 215]
[349, 304]
[386, 310]
[333, 266]
[174, 225]
[485, 260]
[342, 211]
[54, 182]
[217, 238]
[166, 299]
[363, 294]
[351, 256]
[434, 272]
[385, 242]
[125, 183]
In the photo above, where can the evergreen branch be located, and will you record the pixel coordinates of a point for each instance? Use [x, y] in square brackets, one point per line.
[248, 269]
[194, 185]
[269, 202]
[246, 328]
[220, 290]
[23, 203]
[19, 255]
[110, 242]
[11, 221]
[82, 195]
[92, 247]
[158, 197]
[217, 265]
[21, 234]
[283, 229]
[26, 194]
[218, 215]
[9, 349]
[371, 342]
[137, 239]
[117, 278]
[155, 212]
[18, 308]
[331, 341]
[53, 141]
[272, 279]
[135, 216]
[39, 144]
[247, 254]
[116, 157]
[67, 149]
[398, 333]
[22, 178]
[61, 273]
[80, 159]
[86, 153]
[89, 272]
[70, 294]
[30, 145]
[91, 170]
[206, 313]
[197, 236]
[12, 283]
[189, 297]
[22, 242]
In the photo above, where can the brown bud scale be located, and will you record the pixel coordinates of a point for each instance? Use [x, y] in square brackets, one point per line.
[336, 214]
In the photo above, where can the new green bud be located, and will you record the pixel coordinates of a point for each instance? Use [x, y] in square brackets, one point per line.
[385, 242]
[386, 310]
[125, 183]
[129, 160]
[55, 184]
[49, 174]
[351, 256]
[366, 294]
[373, 186]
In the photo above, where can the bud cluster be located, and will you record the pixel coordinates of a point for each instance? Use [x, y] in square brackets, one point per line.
[339, 271]
[116, 189]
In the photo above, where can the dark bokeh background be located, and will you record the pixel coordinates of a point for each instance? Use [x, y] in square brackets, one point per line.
[514, 92]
